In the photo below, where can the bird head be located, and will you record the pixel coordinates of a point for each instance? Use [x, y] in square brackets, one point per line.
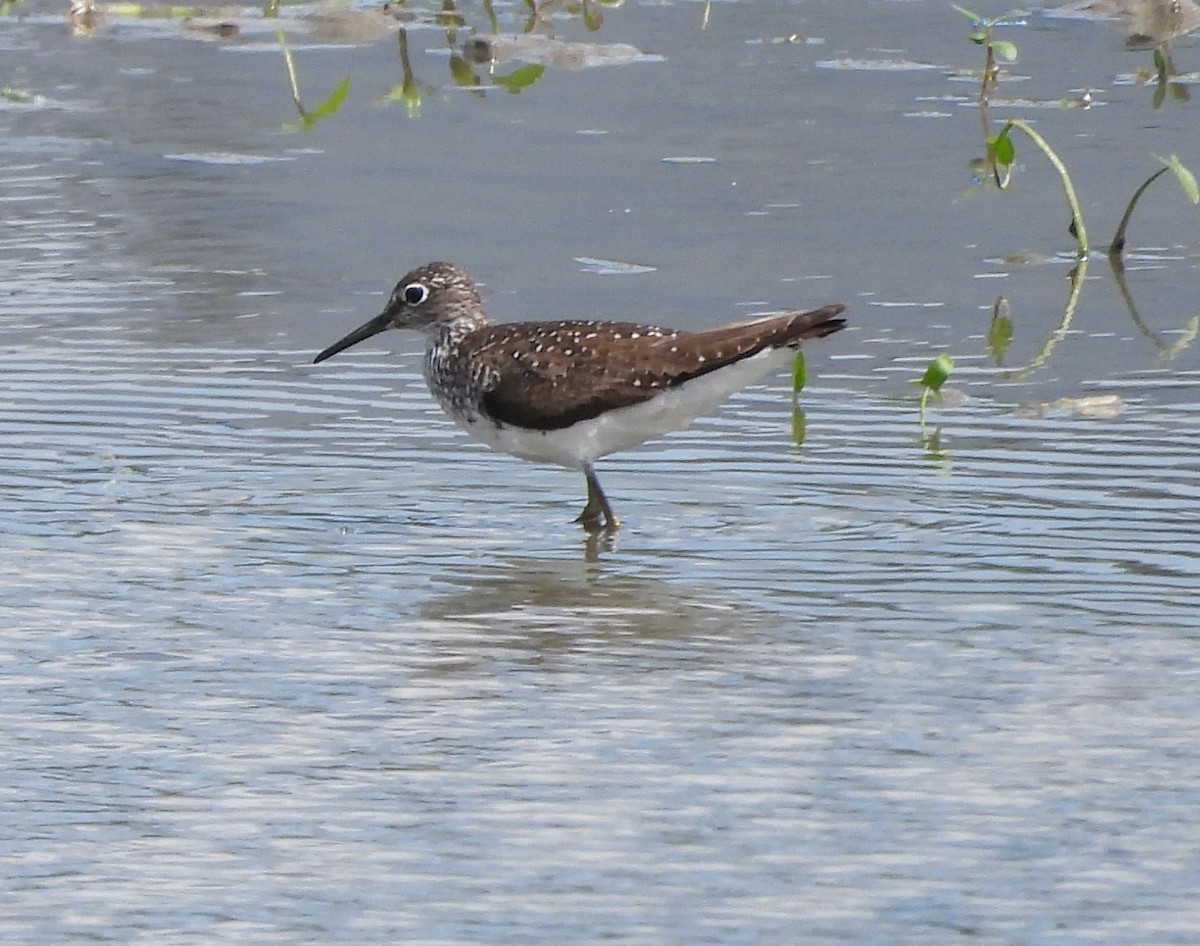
[431, 299]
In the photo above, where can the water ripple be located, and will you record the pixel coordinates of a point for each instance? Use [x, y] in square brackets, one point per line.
[162, 451]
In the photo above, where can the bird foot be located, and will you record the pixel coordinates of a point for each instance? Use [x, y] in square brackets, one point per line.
[597, 507]
[594, 519]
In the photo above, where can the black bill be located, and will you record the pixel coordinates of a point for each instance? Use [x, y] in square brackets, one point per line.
[381, 323]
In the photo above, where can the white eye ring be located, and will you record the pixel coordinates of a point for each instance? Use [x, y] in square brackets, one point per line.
[415, 293]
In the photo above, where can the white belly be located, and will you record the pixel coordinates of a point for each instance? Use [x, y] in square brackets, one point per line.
[673, 409]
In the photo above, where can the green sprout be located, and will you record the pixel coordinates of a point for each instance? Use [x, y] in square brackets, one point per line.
[799, 373]
[799, 379]
[981, 33]
[996, 50]
[932, 380]
[309, 117]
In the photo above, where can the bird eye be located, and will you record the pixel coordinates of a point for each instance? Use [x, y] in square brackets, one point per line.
[415, 293]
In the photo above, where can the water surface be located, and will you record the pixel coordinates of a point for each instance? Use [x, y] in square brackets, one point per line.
[290, 661]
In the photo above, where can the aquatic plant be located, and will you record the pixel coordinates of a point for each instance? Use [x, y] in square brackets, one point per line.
[799, 379]
[1187, 181]
[996, 49]
[328, 106]
[1000, 151]
[1003, 152]
[930, 383]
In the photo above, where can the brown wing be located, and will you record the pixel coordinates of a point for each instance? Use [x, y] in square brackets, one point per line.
[554, 374]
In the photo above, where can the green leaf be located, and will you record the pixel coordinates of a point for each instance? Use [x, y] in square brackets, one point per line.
[1002, 148]
[936, 374]
[973, 17]
[999, 336]
[1160, 63]
[1005, 50]
[514, 82]
[333, 102]
[1187, 180]
[799, 373]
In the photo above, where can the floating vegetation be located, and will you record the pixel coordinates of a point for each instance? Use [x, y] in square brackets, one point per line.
[1096, 405]
[18, 96]
[476, 56]
[548, 51]
[876, 65]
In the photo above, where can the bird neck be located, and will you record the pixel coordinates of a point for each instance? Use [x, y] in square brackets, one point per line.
[457, 384]
[449, 334]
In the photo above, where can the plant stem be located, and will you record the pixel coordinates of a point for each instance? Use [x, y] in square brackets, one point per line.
[1072, 202]
[1117, 247]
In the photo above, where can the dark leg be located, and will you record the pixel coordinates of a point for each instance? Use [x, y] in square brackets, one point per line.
[597, 507]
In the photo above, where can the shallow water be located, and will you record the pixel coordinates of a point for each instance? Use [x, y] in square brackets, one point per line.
[289, 660]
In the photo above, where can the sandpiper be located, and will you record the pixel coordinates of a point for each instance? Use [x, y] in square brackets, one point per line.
[571, 392]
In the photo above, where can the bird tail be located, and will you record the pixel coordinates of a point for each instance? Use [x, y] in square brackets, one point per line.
[795, 327]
